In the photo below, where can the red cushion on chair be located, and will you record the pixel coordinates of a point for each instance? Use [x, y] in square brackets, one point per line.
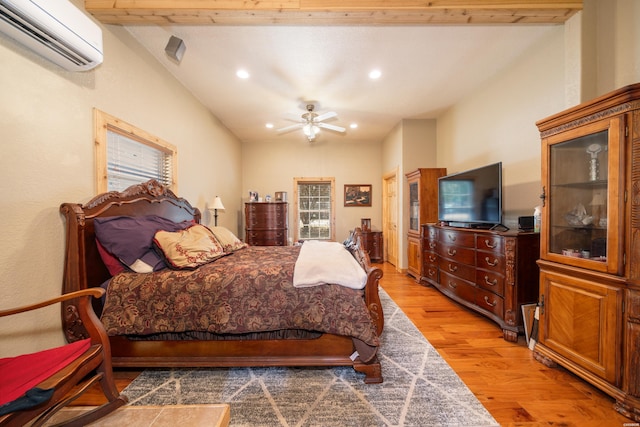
[24, 372]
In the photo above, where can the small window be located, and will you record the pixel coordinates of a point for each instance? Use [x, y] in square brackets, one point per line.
[126, 155]
[314, 210]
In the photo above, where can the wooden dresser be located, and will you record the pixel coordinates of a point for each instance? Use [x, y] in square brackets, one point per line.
[266, 223]
[372, 242]
[490, 272]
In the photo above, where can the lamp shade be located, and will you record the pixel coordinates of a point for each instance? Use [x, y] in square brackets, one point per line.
[217, 204]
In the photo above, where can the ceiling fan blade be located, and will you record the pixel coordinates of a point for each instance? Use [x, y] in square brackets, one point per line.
[325, 116]
[289, 128]
[292, 117]
[330, 127]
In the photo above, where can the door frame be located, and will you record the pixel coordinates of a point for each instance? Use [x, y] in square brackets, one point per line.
[386, 208]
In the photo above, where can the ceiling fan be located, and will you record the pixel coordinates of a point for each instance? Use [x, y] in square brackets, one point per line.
[311, 123]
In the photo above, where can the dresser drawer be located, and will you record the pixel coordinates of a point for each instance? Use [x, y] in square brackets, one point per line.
[431, 233]
[431, 272]
[266, 215]
[265, 220]
[490, 302]
[458, 238]
[490, 261]
[430, 258]
[457, 253]
[489, 242]
[266, 238]
[491, 281]
[457, 286]
[464, 271]
[430, 245]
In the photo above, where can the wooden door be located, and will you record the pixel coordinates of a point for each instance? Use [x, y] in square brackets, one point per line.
[390, 218]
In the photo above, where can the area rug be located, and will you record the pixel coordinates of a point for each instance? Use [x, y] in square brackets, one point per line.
[419, 388]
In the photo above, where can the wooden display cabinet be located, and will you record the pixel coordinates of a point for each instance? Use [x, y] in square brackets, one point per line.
[423, 208]
[590, 244]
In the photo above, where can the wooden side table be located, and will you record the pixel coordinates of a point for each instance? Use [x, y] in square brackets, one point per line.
[372, 241]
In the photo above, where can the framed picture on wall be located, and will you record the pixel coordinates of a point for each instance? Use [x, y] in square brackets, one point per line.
[357, 195]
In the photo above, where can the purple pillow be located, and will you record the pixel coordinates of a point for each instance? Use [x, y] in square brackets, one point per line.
[130, 239]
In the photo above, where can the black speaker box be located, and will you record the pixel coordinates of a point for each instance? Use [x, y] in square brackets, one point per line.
[525, 223]
[175, 48]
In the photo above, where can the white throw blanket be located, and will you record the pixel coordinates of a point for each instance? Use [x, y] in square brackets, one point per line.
[320, 263]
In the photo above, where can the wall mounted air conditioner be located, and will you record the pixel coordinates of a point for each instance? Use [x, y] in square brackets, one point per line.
[55, 29]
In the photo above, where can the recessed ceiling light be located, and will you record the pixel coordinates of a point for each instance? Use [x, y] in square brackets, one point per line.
[243, 74]
[269, 125]
[353, 125]
[375, 74]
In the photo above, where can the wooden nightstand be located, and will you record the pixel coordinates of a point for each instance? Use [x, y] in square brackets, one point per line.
[372, 242]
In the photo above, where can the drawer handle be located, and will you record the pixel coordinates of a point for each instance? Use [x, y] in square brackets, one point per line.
[453, 268]
[452, 237]
[453, 285]
[486, 299]
[490, 244]
[490, 283]
[491, 263]
[432, 245]
[451, 252]
[432, 258]
[431, 272]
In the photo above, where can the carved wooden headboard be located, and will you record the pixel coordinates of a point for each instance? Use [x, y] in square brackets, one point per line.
[83, 266]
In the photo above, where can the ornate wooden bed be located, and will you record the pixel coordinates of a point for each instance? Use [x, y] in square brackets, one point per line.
[84, 268]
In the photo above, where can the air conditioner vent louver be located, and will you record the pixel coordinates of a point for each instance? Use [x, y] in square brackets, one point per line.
[55, 29]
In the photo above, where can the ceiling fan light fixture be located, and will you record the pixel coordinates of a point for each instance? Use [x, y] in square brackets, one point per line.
[375, 74]
[310, 129]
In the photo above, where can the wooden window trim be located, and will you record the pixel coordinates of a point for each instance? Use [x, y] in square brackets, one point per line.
[103, 123]
[296, 212]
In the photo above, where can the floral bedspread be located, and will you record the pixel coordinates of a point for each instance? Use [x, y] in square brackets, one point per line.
[250, 290]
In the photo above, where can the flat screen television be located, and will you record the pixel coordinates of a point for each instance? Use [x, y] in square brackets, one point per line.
[471, 198]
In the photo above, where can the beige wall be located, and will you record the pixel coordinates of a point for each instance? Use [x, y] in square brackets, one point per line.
[48, 158]
[270, 166]
[497, 123]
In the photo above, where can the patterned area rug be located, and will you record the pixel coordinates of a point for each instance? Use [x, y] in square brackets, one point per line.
[419, 389]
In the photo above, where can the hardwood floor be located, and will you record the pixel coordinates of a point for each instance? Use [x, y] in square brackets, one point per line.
[515, 389]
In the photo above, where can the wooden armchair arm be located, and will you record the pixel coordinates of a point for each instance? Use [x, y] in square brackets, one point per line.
[72, 380]
[95, 292]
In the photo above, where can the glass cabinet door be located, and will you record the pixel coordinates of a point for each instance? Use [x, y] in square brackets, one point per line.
[414, 207]
[583, 212]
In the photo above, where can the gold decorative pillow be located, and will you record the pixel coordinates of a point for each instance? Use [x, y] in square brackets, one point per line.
[189, 248]
[228, 240]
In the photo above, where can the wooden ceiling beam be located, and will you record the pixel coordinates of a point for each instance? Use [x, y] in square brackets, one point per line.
[332, 12]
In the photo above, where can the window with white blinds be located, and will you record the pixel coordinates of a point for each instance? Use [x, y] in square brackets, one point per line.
[126, 155]
[314, 208]
[131, 162]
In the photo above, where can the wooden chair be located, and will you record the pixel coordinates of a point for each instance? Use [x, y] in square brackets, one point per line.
[72, 380]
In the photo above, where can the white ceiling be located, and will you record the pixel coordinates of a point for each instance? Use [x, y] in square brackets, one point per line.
[425, 70]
